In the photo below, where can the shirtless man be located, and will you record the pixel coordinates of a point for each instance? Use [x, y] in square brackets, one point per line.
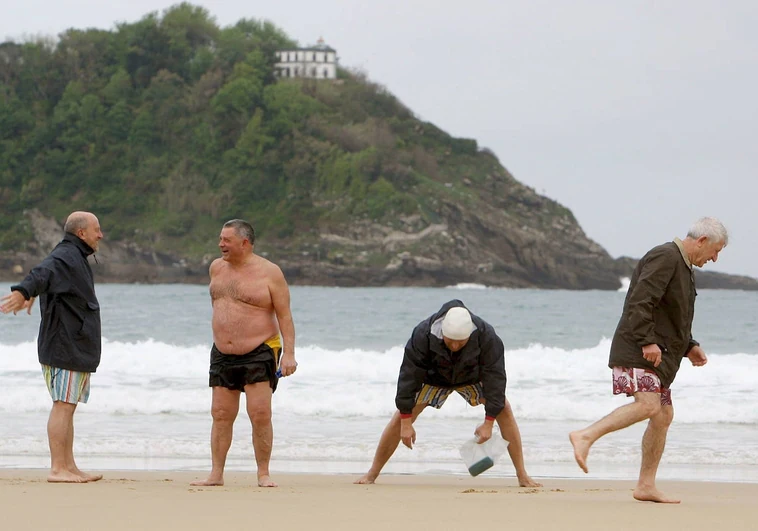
[251, 307]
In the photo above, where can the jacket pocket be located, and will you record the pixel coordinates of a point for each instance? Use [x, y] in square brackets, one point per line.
[88, 334]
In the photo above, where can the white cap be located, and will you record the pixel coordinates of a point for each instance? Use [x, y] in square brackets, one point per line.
[457, 324]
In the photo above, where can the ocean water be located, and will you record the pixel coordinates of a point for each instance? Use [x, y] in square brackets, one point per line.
[150, 404]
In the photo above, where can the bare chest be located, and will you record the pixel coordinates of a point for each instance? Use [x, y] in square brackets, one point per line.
[243, 289]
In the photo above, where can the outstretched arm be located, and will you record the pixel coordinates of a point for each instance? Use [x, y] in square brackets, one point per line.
[16, 302]
[39, 280]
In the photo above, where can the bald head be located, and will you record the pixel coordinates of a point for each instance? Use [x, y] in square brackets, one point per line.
[85, 226]
[78, 221]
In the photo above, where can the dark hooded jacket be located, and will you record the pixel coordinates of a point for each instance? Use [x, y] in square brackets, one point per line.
[69, 332]
[658, 309]
[428, 361]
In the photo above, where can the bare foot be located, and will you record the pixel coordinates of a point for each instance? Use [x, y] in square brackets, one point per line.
[210, 482]
[65, 477]
[89, 478]
[652, 495]
[266, 481]
[581, 449]
[367, 479]
[526, 481]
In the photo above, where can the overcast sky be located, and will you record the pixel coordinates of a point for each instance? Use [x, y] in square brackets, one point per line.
[638, 116]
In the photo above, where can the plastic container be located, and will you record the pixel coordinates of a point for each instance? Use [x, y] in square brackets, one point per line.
[481, 457]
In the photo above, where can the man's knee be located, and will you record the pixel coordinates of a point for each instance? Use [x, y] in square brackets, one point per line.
[650, 403]
[664, 417]
[64, 408]
[223, 414]
[259, 413]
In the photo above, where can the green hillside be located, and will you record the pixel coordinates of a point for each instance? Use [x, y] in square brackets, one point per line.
[169, 126]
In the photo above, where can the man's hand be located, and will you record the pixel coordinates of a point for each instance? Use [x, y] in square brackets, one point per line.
[697, 356]
[407, 433]
[483, 432]
[16, 302]
[288, 365]
[652, 353]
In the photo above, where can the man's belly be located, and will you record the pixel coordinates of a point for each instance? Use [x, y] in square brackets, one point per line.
[239, 330]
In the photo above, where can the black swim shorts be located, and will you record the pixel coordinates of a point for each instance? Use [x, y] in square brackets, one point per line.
[235, 371]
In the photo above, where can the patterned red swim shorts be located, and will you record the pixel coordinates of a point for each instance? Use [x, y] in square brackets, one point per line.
[630, 380]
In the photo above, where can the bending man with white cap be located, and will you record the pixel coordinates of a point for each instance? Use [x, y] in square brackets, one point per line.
[452, 350]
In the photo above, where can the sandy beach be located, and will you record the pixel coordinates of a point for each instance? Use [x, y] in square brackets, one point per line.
[165, 500]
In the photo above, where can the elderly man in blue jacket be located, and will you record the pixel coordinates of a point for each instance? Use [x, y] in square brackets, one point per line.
[451, 351]
[69, 339]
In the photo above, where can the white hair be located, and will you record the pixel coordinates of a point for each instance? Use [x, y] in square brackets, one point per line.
[711, 228]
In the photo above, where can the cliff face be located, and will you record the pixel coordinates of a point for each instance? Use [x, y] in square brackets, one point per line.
[116, 261]
[485, 245]
[466, 246]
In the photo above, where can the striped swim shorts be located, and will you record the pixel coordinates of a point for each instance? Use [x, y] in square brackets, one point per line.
[436, 396]
[66, 386]
[630, 380]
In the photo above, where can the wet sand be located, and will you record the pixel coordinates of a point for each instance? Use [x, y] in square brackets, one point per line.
[165, 500]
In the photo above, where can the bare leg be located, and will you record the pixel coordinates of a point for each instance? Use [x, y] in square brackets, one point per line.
[645, 406]
[60, 433]
[224, 411]
[653, 443]
[259, 410]
[510, 432]
[387, 445]
[71, 463]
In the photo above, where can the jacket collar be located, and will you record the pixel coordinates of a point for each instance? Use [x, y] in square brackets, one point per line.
[79, 243]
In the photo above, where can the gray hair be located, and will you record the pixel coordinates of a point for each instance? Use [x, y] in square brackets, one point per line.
[711, 228]
[242, 228]
[77, 221]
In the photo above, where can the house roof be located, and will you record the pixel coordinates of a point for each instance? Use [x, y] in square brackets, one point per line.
[310, 49]
[320, 46]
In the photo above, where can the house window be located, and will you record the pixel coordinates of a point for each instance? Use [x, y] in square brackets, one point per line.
[326, 72]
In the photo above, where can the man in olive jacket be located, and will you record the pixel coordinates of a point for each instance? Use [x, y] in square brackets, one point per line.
[452, 350]
[652, 336]
[69, 339]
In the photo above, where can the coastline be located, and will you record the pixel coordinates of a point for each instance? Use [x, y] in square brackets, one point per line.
[165, 500]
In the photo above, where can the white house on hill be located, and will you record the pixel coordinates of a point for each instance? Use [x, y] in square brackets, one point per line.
[317, 62]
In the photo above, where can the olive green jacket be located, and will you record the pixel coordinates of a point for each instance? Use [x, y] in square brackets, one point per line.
[658, 308]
